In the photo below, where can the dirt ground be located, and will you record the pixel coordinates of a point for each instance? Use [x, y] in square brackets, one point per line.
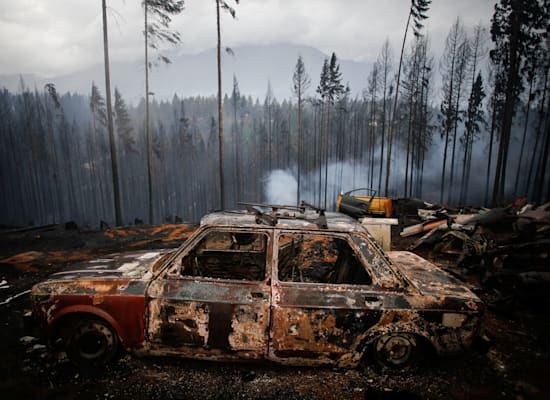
[513, 364]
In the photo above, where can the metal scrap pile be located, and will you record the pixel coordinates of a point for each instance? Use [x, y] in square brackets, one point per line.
[507, 248]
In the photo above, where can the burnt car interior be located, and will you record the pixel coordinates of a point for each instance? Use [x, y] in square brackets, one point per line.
[228, 255]
[318, 258]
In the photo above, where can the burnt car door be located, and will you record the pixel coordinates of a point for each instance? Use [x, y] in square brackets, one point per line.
[213, 301]
[324, 300]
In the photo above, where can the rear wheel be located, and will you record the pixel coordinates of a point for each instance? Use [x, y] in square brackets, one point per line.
[91, 343]
[395, 349]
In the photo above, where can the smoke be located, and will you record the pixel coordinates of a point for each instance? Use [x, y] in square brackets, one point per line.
[281, 187]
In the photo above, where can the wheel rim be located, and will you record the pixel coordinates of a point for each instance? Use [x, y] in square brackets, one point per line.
[94, 341]
[395, 349]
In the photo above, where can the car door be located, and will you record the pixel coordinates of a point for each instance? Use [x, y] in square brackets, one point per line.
[213, 301]
[324, 301]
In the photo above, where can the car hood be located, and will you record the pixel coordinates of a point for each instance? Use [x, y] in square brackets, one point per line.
[427, 278]
[131, 265]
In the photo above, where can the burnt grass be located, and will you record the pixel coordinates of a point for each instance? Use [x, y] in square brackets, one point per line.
[513, 363]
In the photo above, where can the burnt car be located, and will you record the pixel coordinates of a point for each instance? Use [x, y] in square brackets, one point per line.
[300, 287]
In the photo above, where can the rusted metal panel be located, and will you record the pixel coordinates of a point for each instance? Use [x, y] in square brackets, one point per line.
[335, 222]
[123, 312]
[179, 324]
[211, 315]
[310, 336]
[313, 324]
[134, 265]
[429, 325]
[307, 318]
[427, 278]
[377, 261]
[112, 288]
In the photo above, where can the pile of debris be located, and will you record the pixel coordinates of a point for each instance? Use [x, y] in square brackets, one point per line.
[507, 248]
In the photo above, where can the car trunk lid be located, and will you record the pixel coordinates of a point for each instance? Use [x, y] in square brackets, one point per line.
[427, 278]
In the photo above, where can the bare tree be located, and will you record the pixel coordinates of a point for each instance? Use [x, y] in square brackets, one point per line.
[544, 73]
[453, 67]
[156, 30]
[371, 95]
[416, 85]
[474, 114]
[268, 108]
[417, 12]
[330, 89]
[517, 30]
[531, 77]
[384, 63]
[114, 166]
[301, 82]
[224, 6]
[236, 102]
[460, 78]
[493, 108]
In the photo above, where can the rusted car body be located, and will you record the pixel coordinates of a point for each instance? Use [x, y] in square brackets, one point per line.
[291, 290]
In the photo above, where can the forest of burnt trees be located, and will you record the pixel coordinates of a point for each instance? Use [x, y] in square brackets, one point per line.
[480, 137]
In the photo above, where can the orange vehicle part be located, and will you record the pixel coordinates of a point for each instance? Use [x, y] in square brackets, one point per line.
[378, 205]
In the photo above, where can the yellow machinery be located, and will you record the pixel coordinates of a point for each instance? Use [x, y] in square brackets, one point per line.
[362, 206]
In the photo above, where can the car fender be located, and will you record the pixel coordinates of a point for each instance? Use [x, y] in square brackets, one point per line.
[93, 311]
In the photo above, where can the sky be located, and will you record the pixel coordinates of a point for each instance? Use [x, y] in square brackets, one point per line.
[55, 37]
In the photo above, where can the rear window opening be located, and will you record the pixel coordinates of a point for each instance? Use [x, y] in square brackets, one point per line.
[316, 258]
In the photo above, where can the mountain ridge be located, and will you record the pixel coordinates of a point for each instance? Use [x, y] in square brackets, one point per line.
[195, 74]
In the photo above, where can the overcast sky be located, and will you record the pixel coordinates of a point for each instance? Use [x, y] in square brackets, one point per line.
[54, 37]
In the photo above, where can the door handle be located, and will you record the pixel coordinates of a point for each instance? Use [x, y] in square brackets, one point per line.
[258, 295]
[373, 301]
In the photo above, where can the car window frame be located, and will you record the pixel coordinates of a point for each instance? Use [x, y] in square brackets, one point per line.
[174, 263]
[342, 235]
[392, 278]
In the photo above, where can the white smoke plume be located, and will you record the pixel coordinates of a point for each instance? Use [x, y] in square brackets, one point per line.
[281, 187]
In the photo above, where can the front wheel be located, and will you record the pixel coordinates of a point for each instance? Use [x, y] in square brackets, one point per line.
[91, 343]
[395, 349]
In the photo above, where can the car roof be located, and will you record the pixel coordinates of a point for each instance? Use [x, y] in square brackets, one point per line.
[285, 219]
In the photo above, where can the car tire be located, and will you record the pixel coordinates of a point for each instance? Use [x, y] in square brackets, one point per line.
[395, 350]
[91, 343]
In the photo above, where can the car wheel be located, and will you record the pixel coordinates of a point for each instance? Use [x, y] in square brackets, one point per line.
[91, 343]
[395, 349]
